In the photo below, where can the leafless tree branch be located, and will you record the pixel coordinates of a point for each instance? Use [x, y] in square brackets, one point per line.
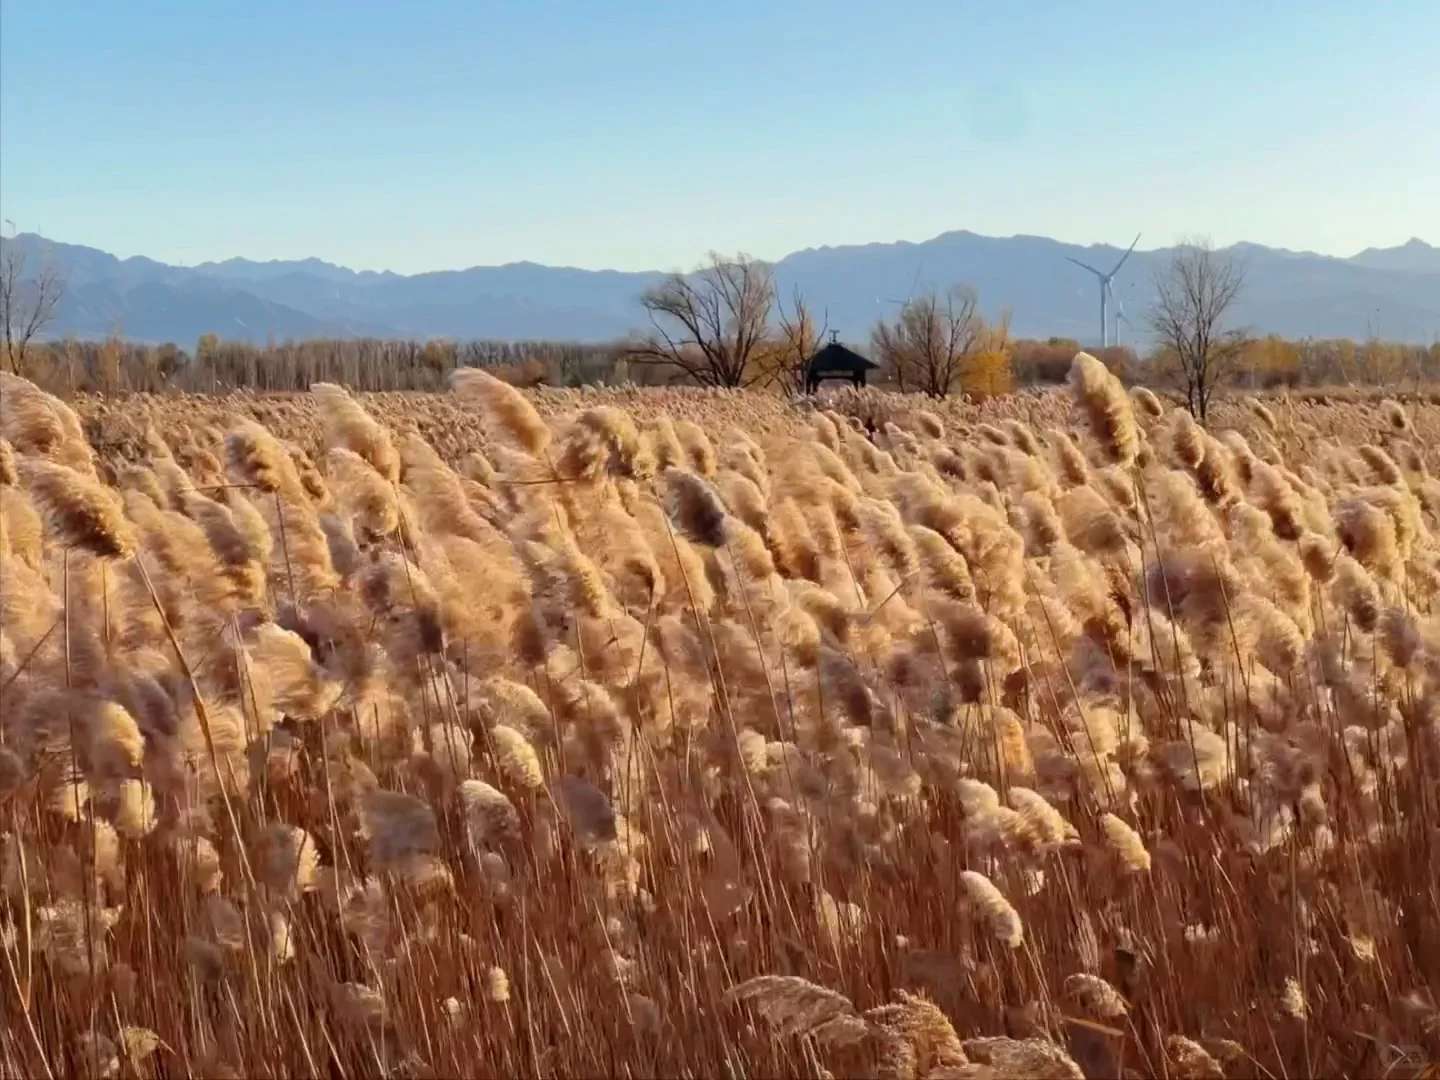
[712, 325]
[1194, 295]
[796, 343]
[27, 305]
[926, 346]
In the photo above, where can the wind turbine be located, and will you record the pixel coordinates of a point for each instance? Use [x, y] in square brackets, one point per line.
[1106, 292]
[1120, 317]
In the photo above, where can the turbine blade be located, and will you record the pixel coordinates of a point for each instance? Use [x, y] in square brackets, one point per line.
[1126, 255]
[1077, 262]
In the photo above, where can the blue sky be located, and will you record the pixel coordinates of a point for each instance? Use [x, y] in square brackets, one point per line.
[414, 135]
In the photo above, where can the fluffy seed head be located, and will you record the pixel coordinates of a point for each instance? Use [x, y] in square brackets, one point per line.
[1003, 920]
[79, 511]
[1107, 407]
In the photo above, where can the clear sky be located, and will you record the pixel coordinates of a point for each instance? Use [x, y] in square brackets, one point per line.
[421, 134]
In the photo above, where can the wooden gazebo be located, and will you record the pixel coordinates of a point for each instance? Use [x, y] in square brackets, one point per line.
[835, 361]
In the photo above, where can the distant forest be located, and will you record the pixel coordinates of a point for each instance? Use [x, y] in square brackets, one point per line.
[218, 366]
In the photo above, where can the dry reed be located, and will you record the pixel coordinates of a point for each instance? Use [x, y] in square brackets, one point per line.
[668, 733]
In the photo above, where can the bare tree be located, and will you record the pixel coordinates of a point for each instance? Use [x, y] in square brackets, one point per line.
[926, 346]
[795, 343]
[713, 324]
[27, 305]
[1194, 294]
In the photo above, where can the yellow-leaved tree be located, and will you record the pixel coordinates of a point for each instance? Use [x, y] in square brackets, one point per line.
[985, 371]
[1271, 360]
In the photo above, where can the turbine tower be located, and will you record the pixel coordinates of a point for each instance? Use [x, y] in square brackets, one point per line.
[1120, 317]
[1106, 292]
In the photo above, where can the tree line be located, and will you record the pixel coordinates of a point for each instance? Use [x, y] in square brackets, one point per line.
[725, 325]
[115, 365]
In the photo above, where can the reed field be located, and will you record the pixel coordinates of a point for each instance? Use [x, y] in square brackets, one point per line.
[667, 733]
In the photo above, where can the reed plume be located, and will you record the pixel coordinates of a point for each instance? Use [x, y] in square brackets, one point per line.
[78, 511]
[1107, 408]
[506, 412]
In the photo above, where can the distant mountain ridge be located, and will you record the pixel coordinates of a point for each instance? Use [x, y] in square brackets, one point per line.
[1391, 292]
[238, 269]
[1414, 254]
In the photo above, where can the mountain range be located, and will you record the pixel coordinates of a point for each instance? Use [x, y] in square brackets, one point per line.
[1392, 293]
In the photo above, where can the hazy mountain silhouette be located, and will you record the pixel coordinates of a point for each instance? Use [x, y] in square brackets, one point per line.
[1394, 292]
[1414, 254]
[238, 269]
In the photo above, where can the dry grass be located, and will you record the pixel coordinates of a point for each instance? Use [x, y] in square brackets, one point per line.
[701, 734]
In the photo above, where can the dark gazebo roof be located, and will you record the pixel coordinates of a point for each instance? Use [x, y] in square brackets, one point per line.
[837, 359]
